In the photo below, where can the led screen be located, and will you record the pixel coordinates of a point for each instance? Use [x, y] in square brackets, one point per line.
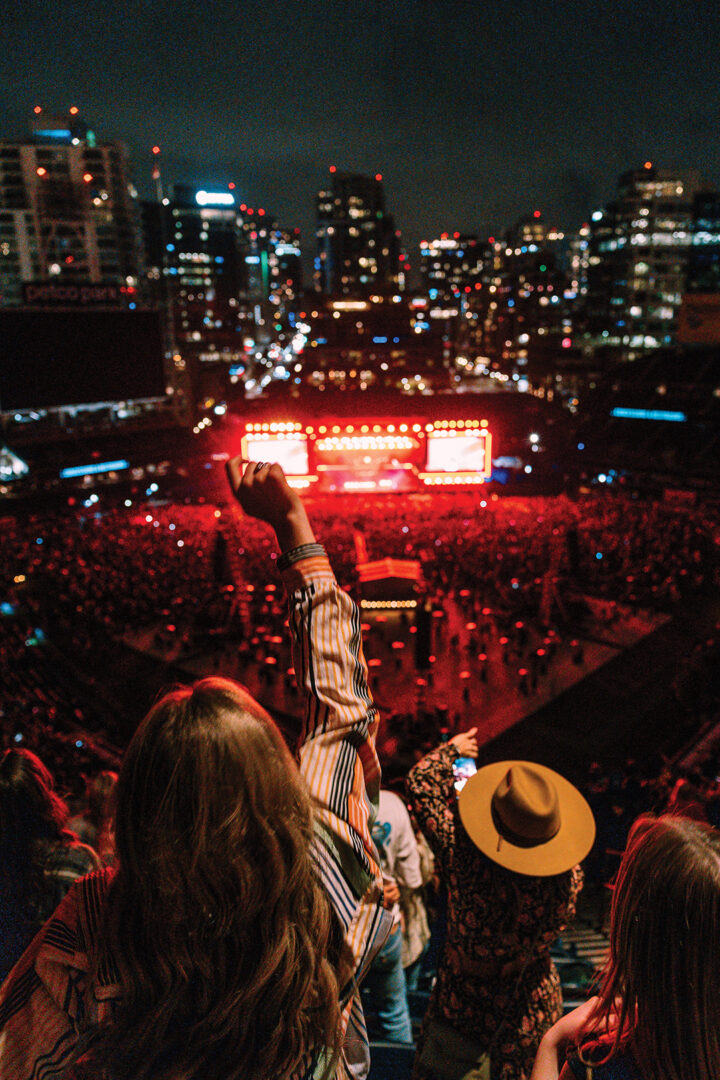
[53, 358]
[459, 453]
[376, 451]
[290, 453]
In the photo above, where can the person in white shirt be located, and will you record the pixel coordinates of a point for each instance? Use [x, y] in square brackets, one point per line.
[397, 847]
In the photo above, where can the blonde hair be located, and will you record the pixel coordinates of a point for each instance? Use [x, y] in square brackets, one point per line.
[226, 945]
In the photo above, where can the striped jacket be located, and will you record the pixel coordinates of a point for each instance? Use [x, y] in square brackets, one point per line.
[48, 1003]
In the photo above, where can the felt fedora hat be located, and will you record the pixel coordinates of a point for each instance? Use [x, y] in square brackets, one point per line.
[527, 818]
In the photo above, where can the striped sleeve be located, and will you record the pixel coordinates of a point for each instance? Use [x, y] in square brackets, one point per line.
[337, 757]
[45, 1004]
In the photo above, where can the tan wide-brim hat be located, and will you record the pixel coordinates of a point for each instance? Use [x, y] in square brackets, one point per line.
[527, 818]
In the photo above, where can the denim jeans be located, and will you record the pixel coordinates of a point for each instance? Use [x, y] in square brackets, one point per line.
[386, 983]
[412, 972]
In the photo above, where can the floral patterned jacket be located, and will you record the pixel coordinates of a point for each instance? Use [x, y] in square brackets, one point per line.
[496, 982]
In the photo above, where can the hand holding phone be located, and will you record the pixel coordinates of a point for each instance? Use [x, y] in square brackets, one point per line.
[463, 769]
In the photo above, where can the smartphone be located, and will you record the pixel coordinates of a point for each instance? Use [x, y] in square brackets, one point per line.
[463, 769]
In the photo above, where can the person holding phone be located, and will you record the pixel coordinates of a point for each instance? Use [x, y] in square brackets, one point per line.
[507, 849]
[247, 902]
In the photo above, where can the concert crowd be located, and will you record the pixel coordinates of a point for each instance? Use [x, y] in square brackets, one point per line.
[178, 582]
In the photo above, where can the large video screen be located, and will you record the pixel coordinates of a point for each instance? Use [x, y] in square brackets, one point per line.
[290, 453]
[374, 451]
[50, 359]
[457, 453]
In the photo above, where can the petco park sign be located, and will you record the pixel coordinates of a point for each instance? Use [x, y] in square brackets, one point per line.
[78, 294]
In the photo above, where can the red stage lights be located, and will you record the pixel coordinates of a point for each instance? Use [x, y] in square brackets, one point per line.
[375, 456]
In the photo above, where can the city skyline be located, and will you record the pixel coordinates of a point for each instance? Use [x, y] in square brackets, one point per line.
[474, 117]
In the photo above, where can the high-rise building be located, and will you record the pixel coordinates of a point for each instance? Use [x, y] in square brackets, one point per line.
[526, 325]
[357, 244]
[699, 316]
[204, 271]
[272, 260]
[703, 268]
[452, 265]
[578, 262]
[228, 276]
[68, 212]
[638, 255]
[379, 342]
[222, 265]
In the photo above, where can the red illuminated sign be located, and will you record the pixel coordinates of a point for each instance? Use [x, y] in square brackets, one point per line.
[367, 456]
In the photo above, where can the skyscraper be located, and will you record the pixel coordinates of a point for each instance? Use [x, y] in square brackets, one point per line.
[526, 324]
[204, 271]
[68, 211]
[703, 270]
[272, 260]
[358, 247]
[228, 276]
[638, 254]
[451, 265]
[699, 316]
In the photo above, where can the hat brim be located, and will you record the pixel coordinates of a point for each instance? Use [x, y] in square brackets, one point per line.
[569, 846]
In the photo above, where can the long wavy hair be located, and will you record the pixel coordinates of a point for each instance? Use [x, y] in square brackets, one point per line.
[226, 946]
[31, 813]
[659, 995]
[32, 821]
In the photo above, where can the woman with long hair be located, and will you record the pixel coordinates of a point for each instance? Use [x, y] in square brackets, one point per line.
[246, 900]
[657, 1013]
[39, 857]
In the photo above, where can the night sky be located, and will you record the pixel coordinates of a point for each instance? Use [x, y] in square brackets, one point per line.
[474, 112]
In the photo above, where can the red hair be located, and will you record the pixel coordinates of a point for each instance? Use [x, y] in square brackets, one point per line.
[660, 989]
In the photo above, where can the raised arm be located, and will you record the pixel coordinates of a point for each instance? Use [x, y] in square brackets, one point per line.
[264, 493]
[337, 756]
[430, 791]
